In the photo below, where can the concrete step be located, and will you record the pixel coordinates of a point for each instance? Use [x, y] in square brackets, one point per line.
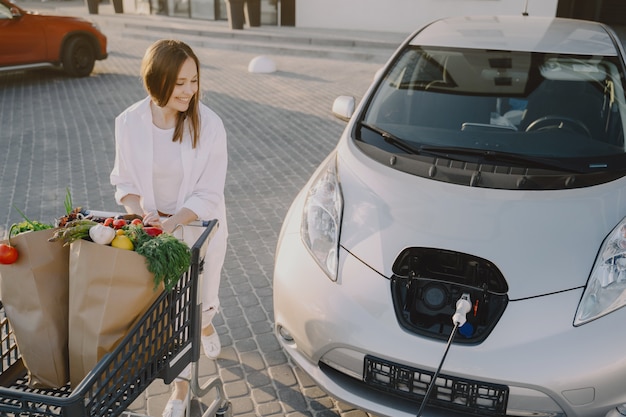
[318, 43]
[274, 46]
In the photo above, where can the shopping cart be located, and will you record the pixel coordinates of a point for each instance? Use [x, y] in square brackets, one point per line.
[160, 346]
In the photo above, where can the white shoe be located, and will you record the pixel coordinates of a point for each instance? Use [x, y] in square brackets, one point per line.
[211, 344]
[175, 408]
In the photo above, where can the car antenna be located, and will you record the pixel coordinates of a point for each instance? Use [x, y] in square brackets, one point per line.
[525, 12]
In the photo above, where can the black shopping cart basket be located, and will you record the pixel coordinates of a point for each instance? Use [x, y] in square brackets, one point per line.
[160, 346]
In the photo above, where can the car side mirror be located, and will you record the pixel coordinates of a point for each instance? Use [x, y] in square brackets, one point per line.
[343, 107]
[15, 12]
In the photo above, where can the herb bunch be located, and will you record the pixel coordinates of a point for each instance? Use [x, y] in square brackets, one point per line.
[167, 257]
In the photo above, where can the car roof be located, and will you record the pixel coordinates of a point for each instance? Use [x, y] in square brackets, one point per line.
[519, 33]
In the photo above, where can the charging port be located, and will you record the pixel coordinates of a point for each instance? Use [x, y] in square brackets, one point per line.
[427, 283]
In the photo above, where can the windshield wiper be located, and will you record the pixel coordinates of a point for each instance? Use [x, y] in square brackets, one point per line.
[477, 155]
[393, 140]
[493, 157]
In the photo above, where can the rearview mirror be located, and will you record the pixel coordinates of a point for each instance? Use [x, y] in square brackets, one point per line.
[572, 70]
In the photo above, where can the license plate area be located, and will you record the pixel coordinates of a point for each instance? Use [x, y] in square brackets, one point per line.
[449, 392]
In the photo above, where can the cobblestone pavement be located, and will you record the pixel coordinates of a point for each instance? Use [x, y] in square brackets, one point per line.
[57, 133]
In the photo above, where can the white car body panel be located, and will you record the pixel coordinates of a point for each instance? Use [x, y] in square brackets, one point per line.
[504, 226]
[527, 329]
[544, 242]
[504, 33]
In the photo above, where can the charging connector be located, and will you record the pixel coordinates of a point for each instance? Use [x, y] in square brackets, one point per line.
[463, 306]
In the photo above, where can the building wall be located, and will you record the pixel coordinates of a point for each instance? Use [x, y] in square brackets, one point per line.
[404, 16]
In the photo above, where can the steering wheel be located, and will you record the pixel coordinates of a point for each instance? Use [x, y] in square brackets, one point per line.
[558, 122]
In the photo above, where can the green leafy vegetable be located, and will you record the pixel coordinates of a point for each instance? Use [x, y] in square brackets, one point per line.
[68, 202]
[71, 213]
[27, 225]
[167, 257]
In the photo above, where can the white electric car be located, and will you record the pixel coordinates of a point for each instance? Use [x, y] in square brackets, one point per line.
[487, 164]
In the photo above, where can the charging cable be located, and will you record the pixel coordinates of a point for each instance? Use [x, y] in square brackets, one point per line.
[463, 306]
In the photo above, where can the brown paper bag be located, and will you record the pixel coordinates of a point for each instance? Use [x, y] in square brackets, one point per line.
[110, 289]
[35, 297]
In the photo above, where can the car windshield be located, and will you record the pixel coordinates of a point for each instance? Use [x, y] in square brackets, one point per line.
[511, 106]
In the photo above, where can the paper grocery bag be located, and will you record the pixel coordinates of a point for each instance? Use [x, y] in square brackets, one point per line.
[190, 234]
[110, 289]
[35, 297]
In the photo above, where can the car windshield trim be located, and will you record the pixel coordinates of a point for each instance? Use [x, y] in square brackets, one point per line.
[480, 155]
[494, 157]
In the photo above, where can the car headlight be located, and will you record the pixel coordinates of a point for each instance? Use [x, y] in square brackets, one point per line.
[606, 288]
[321, 218]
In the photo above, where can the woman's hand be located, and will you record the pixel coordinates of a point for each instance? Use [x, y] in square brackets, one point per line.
[184, 216]
[152, 219]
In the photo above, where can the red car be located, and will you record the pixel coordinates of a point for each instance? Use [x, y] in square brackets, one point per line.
[33, 40]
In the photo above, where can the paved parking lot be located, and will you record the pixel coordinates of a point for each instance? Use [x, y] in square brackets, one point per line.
[57, 133]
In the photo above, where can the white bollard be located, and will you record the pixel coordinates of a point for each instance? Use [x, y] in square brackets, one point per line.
[262, 65]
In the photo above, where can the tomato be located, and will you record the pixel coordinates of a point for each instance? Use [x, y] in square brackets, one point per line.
[119, 223]
[108, 221]
[136, 222]
[153, 231]
[8, 254]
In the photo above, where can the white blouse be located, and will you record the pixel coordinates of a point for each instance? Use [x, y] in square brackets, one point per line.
[204, 167]
[167, 169]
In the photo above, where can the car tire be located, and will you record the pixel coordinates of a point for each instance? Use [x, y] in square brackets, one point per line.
[78, 57]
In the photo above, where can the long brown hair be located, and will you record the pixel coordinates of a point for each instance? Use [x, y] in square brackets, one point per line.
[159, 69]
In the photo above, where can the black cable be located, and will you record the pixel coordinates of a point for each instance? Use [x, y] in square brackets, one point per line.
[436, 375]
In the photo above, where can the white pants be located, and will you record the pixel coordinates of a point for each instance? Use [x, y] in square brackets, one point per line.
[214, 253]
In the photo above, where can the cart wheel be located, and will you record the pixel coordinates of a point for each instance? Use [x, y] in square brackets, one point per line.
[224, 411]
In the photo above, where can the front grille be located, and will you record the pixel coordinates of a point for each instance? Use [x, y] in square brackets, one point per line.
[449, 392]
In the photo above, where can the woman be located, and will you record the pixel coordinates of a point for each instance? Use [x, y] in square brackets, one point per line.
[170, 168]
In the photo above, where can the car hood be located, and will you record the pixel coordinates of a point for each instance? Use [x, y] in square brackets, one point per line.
[542, 241]
[46, 17]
